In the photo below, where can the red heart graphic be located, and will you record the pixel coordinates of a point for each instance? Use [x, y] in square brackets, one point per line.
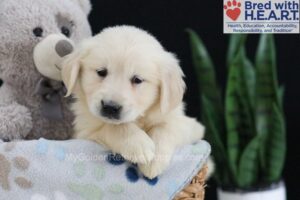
[233, 13]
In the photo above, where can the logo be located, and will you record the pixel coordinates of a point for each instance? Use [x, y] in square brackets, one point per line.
[261, 16]
[232, 9]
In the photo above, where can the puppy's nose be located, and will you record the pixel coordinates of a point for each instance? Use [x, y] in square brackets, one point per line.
[63, 48]
[111, 109]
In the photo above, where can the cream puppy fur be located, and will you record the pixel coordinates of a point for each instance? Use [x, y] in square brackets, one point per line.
[129, 94]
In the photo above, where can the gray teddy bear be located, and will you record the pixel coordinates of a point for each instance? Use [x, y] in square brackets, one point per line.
[31, 105]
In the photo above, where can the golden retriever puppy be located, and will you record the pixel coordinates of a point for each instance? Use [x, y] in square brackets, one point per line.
[129, 92]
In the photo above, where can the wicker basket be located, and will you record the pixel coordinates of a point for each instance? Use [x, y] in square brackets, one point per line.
[196, 189]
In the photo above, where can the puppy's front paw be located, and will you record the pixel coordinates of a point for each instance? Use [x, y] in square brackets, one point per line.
[156, 166]
[141, 150]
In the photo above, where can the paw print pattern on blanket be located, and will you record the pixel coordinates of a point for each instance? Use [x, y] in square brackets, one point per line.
[91, 191]
[132, 172]
[43, 147]
[6, 166]
[88, 191]
[80, 170]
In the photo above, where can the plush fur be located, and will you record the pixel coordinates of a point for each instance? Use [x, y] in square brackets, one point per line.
[152, 123]
[20, 106]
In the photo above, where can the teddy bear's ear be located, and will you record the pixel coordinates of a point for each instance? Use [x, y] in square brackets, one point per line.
[85, 5]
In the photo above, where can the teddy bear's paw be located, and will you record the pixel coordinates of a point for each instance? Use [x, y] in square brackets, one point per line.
[156, 167]
[8, 137]
[15, 122]
[141, 150]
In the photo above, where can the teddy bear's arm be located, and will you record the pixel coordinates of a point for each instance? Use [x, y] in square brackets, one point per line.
[15, 119]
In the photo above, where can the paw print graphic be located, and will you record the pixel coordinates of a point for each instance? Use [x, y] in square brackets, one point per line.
[132, 172]
[233, 9]
[91, 190]
[43, 146]
[7, 165]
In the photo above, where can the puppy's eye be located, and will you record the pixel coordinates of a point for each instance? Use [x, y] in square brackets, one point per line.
[136, 80]
[102, 72]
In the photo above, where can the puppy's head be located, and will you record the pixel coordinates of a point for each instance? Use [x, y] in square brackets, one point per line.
[122, 73]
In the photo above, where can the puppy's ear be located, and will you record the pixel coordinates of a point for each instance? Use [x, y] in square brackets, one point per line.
[172, 84]
[70, 71]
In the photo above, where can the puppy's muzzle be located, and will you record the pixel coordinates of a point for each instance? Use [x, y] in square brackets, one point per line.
[110, 109]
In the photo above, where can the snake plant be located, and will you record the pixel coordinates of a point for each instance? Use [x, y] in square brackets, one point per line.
[246, 125]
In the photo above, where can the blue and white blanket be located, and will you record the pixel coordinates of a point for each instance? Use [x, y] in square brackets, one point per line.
[83, 170]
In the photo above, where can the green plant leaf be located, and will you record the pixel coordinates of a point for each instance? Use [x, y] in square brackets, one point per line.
[205, 72]
[237, 46]
[250, 78]
[238, 111]
[232, 117]
[246, 91]
[281, 92]
[213, 136]
[276, 143]
[236, 42]
[248, 165]
[211, 102]
[266, 91]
